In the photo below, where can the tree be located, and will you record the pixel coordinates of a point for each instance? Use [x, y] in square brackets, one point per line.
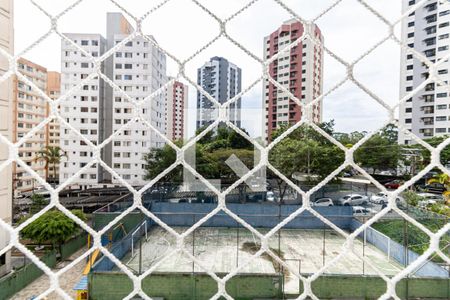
[53, 227]
[51, 155]
[443, 179]
[37, 203]
[305, 151]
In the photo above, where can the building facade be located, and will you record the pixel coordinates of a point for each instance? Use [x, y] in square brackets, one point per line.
[29, 110]
[176, 112]
[53, 128]
[427, 30]
[139, 69]
[298, 70]
[6, 87]
[83, 109]
[223, 81]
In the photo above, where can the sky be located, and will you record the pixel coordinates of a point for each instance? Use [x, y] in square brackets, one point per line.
[181, 28]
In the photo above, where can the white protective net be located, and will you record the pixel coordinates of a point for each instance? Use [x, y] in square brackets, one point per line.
[222, 117]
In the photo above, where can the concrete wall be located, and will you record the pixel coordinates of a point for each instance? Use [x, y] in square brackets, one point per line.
[16, 281]
[397, 252]
[112, 285]
[183, 286]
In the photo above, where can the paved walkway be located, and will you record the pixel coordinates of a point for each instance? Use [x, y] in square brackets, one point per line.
[67, 281]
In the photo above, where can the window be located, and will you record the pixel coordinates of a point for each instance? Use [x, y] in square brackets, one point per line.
[84, 65]
[441, 118]
[408, 121]
[127, 77]
[84, 43]
[128, 66]
[441, 106]
[441, 95]
[129, 44]
[118, 54]
[443, 48]
[410, 24]
[444, 36]
[444, 71]
[408, 78]
[128, 55]
[444, 25]
[408, 109]
[440, 130]
[409, 67]
[118, 66]
[94, 43]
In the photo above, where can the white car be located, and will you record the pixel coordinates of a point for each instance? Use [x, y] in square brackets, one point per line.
[353, 199]
[429, 196]
[382, 198]
[270, 196]
[361, 211]
[426, 203]
[379, 198]
[322, 202]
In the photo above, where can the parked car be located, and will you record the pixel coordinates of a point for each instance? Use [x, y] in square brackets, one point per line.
[270, 196]
[430, 196]
[436, 188]
[361, 211]
[379, 198]
[425, 203]
[353, 199]
[323, 202]
[394, 184]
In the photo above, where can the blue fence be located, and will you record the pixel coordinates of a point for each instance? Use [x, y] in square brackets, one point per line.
[257, 215]
[397, 252]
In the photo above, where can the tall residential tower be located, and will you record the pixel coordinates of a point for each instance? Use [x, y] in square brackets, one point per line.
[6, 87]
[298, 70]
[98, 110]
[427, 30]
[223, 81]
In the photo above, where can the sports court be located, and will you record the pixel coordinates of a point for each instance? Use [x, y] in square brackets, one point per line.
[222, 249]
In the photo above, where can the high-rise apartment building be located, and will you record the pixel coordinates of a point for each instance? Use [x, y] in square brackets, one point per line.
[83, 109]
[177, 101]
[223, 81]
[427, 30]
[98, 111]
[6, 87]
[53, 128]
[298, 70]
[29, 110]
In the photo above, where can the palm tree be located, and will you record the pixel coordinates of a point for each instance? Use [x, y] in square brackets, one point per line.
[51, 155]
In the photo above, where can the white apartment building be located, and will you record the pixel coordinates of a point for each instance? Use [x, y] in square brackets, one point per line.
[427, 30]
[176, 112]
[82, 110]
[137, 68]
[7, 43]
[299, 70]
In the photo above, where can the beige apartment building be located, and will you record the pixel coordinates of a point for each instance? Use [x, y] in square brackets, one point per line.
[29, 110]
[6, 43]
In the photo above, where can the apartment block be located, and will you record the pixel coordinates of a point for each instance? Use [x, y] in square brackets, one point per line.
[53, 128]
[83, 109]
[6, 87]
[29, 110]
[427, 30]
[298, 70]
[98, 111]
[223, 81]
[176, 112]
